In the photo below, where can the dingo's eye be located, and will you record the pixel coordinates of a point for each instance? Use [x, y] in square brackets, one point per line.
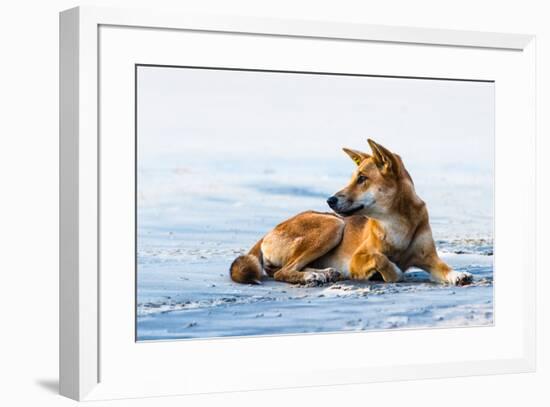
[361, 179]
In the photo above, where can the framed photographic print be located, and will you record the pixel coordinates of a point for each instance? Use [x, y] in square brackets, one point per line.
[276, 203]
[224, 156]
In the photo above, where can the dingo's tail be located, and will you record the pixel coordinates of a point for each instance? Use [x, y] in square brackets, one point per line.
[247, 269]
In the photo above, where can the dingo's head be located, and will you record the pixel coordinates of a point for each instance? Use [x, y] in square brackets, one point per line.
[375, 184]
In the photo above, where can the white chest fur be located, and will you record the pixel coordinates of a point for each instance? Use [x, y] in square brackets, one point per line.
[395, 233]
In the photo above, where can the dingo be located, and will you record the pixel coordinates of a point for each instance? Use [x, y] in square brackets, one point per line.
[380, 226]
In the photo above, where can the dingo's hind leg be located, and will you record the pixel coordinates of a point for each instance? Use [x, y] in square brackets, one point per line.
[294, 244]
[308, 275]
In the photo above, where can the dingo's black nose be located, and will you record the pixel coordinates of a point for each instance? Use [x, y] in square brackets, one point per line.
[332, 201]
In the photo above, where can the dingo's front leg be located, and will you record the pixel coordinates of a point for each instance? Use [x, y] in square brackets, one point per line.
[364, 264]
[440, 272]
[425, 257]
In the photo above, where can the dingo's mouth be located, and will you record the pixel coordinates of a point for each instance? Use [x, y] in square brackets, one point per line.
[350, 212]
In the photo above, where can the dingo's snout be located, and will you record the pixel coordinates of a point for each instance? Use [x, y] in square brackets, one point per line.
[340, 204]
[332, 202]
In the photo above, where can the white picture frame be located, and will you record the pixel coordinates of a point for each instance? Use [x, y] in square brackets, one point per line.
[87, 373]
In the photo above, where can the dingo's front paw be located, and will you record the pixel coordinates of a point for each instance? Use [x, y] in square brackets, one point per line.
[459, 278]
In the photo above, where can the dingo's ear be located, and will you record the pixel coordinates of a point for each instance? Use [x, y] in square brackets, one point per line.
[356, 156]
[383, 158]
